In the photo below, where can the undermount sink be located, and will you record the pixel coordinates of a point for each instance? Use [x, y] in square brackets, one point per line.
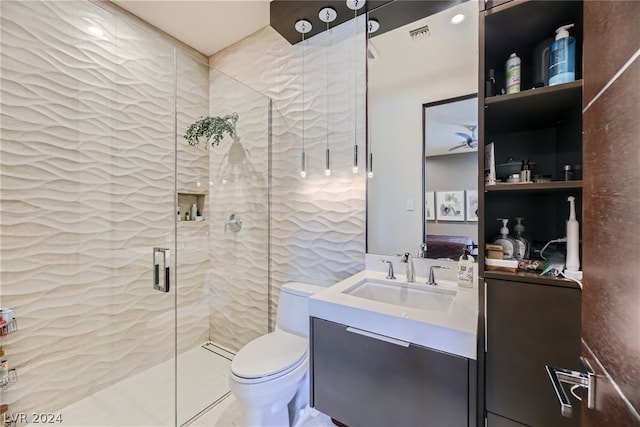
[422, 297]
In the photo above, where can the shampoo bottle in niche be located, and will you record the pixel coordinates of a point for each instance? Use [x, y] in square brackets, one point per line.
[573, 238]
[194, 212]
[562, 62]
[465, 270]
[508, 243]
[513, 74]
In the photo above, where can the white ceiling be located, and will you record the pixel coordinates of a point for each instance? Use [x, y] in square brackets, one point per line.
[206, 25]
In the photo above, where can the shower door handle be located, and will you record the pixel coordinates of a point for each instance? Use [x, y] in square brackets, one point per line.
[161, 269]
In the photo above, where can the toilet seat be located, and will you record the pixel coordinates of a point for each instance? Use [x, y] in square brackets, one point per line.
[269, 356]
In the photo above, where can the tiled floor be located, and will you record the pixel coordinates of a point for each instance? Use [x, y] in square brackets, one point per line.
[227, 413]
[148, 398]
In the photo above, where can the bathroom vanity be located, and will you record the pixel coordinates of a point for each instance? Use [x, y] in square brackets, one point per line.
[388, 352]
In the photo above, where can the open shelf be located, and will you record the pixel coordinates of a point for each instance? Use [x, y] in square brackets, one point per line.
[529, 277]
[186, 200]
[533, 108]
[8, 328]
[534, 186]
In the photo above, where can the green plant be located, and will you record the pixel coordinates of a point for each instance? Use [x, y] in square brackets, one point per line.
[213, 128]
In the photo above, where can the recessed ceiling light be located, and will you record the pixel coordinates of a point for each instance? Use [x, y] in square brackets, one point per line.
[457, 18]
[96, 31]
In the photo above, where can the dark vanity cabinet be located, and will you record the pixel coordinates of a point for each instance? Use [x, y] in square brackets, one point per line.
[528, 326]
[530, 321]
[369, 380]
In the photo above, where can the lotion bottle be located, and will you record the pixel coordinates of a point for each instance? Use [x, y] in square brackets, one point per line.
[508, 243]
[465, 270]
[523, 243]
[194, 212]
[513, 74]
[573, 238]
[562, 62]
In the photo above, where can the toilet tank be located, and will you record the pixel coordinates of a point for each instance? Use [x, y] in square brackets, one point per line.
[293, 307]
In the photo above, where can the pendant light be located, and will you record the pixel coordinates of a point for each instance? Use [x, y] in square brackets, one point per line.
[303, 27]
[355, 5]
[327, 15]
[372, 26]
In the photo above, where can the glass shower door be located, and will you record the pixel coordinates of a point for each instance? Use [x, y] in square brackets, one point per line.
[87, 190]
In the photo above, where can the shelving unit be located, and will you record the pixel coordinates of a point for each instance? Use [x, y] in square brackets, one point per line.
[8, 377]
[530, 320]
[542, 125]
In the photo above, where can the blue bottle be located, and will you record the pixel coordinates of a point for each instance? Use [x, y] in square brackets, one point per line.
[562, 63]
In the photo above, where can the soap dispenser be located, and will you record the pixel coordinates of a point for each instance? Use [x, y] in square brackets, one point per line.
[465, 270]
[523, 244]
[508, 243]
[562, 60]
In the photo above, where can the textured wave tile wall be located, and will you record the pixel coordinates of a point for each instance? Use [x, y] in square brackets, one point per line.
[192, 101]
[239, 260]
[317, 223]
[87, 190]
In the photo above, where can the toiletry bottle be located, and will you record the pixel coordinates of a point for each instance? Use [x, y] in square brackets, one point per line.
[525, 172]
[513, 74]
[522, 241]
[490, 86]
[562, 62]
[187, 216]
[567, 172]
[178, 217]
[573, 237]
[504, 240]
[194, 212]
[465, 270]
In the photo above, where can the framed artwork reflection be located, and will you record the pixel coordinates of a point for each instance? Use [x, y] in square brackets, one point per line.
[450, 205]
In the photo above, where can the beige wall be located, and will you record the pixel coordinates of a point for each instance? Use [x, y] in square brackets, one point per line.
[87, 190]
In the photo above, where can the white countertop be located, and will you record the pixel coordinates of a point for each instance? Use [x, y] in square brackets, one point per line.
[453, 331]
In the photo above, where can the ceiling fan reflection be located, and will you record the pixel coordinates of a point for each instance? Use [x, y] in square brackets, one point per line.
[470, 141]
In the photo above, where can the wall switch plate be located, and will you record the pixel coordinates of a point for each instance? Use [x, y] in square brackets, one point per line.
[410, 205]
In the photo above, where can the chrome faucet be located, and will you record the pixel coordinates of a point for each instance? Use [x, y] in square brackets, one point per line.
[422, 253]
[432, 280]
[390, 273]
[411, 271]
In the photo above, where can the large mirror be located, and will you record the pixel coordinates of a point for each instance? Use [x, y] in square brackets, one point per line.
[422, 78]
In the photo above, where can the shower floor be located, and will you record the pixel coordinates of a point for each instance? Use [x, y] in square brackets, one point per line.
[147, 398]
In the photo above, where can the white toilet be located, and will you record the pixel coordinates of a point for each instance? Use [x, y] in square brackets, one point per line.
[270, 375]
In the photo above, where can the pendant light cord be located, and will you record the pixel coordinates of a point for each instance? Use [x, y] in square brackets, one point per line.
[327, 73]
[303, 93]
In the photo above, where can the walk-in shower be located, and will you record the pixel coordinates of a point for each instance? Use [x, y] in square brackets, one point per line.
[93, 169]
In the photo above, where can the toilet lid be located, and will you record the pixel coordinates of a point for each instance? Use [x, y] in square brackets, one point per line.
[269, 355]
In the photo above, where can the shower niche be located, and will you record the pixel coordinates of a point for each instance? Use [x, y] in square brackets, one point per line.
[185, 204]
